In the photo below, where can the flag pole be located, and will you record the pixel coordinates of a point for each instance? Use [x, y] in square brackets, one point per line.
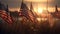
[47, 9]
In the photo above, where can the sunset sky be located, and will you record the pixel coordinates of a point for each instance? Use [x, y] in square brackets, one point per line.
[36, 4]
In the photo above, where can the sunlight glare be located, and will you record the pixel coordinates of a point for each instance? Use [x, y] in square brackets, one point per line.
[40, 10]
[39, 19]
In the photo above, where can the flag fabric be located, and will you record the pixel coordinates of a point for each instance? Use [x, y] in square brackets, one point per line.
[6, 17]
[56, 14]
[24, 11]
[31, 13]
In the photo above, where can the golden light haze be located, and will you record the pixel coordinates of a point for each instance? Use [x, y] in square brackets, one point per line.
[38, 7]
[38, 0]
[14, 9]
[50, 9]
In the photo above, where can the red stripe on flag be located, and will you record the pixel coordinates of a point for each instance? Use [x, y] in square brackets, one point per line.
[6, 17]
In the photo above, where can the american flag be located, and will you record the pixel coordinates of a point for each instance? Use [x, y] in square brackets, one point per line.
[24, 11]
[6, 17]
